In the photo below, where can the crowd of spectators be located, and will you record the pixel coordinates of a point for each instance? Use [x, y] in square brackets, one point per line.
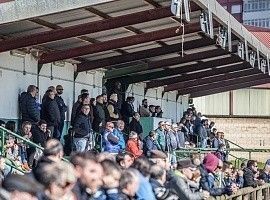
[111, 156]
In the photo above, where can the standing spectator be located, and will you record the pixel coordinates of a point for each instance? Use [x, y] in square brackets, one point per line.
[134, 145]
[41, 134]
[62, 108]
[28, 106]
[118, 91]
[99, 115]
[217, 140]
[181, 136]
[83, 130]
[127, 109]
[135, 125]
[181, 184]
[202, 133]
[161, 139]
[171, 144]
[82, 99]
[128, 184]
[158, 111]
[118, 132]
[110, 141]
[143, 110]
[150, 143]
[152, 111]
[51, 114]
[249, 175]
[113, 109]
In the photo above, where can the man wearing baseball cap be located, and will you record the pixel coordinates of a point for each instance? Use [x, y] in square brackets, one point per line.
[182, 180]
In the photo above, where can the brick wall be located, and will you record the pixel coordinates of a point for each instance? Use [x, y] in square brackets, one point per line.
[248, 133]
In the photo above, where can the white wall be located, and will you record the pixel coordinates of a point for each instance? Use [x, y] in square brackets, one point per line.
[171, 109]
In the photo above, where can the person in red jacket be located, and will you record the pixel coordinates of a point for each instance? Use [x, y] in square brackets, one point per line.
[134, 145]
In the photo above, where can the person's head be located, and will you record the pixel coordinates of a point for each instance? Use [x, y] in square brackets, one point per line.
[32, 90]
[58, 179]
[252, 164]
[153, 135]
[214, 130]
[142, 164]
[196, 159]
[42, 124]
[199, 114]
[212, 124]
[186, 168]
[227, 168]
[266, 168]
[93, 101]
[84, 91]
[204, 122]
[243, 165]
[222, 135]
[145, 103]
[117, 85]
[105, 98]
[112, 174]
[26, 127]
[50, 93]
[88, 170]
[136, 116]
[124, 159]
[130, 99]
[175, 127]
[99, 99]
[85, 99]
[133, 135]
[52, 88]
[21, 187]
[110, 126]
[120, 125]
[218, 135]
[158, 109]
[161, 125]
[85, 109]
[114, 97]
[54, 150]
[59, 89]
[167, 125]
[129, 182]
[152, 108]
[160, 158]
[211, 162]
[2, 123]
[11, 125]
[158, 173]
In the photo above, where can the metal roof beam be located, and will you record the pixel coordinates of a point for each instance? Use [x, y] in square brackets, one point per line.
[83, 29]
[222, 84]
[140, 55]
[229, 88]
[203, 79]
[117, 43]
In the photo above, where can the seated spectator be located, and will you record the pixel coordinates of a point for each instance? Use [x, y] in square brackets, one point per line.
[113, 109]
[161, 138]
[127, 109]
[158, 111]
[128, 184]
[157, 181]
[181, 183]
[118, 132]
[237, 177]
[211, 166]
[11, 125]
[124, 159]
[134, 145]
[150, 143]
[110, 140]
[41, 134]
[143, 110]
[22, 187]
[249, 175]
[111, 178]
[145, 191]
[152, 111]
[83, 130]
[265, 175]
[136, 126]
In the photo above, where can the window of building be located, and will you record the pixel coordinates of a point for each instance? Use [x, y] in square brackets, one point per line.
[235, 9]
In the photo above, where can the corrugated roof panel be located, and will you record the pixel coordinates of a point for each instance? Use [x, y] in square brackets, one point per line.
[65, 44]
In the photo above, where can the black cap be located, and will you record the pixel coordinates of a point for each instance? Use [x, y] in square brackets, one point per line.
[23, 183]
[185, 164]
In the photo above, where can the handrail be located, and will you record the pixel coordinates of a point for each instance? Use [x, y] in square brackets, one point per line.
[29, 142]
[234, 144]
[215, 149]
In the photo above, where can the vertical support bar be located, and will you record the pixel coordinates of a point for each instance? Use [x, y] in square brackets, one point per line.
[259, 194]
[246, 50]
[249, 155]
[268, 64]
[231, 103]
[211, 31]
[258, 59]
[229, 37]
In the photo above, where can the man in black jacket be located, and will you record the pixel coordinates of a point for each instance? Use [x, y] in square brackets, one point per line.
[51, 114]
[127, 109]
[62, 108]
[99, 115]
[249, 175]
[28, 106]
[136, 126]
[82, 128]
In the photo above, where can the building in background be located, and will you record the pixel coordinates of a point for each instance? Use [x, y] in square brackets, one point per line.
[257, 13]
[235, 7]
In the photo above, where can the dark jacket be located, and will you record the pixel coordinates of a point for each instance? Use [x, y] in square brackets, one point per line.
[171, 140]
[39, 137]
[161, 192]
[136, 126]
[266, 177]
[50, 112]
[113, 111]
[202, 133]
[62, 107]
[148, 145]
[82, 126]
[74, 113]
[127, 111]
[99, 117]
[29, 108]
[249, 180]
